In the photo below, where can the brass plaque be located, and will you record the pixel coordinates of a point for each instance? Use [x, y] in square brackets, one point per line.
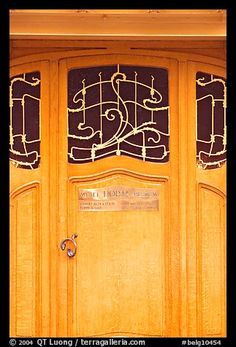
[119, 198]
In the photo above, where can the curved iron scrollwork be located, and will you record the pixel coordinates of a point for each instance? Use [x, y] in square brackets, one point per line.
[118, 110]
[211, 120]
[25, 120]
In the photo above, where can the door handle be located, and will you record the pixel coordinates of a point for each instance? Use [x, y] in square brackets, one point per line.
[70, 252]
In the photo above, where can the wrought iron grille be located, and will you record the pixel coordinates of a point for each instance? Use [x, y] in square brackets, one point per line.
[211, 120]
[25, 120]
[118, 110]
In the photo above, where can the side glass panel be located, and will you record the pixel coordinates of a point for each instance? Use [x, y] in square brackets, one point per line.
[25, 120]
[211, 120]
[118, 110]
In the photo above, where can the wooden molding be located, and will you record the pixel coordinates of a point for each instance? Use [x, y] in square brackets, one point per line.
[118, 24]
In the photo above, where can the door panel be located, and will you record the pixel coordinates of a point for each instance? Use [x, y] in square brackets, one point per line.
[25, 226]
[211, 245]
[120, 264]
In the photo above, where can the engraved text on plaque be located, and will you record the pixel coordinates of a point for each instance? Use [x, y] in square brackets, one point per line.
[119, 198]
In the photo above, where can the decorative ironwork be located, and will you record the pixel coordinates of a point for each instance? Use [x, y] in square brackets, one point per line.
[211, 120]
[25, 120]
[118, 110]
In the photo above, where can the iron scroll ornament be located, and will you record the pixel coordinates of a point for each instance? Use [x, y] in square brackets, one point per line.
[118, 110]
[25, 109]
[211, 106]
[70, 252]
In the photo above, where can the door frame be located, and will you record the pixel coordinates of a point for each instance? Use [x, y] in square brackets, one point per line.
[187, 179]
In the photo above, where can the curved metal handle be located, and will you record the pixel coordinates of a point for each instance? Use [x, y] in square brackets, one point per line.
[70, 252]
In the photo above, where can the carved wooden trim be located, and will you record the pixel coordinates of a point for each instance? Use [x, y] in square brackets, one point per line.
[113, 172]
[24, 188]
[179, 56]
[213, 189]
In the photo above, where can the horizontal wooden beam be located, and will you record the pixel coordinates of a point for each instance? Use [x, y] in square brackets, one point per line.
[118, 24]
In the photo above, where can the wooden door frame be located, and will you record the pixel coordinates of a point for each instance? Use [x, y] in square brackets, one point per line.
[187, 177]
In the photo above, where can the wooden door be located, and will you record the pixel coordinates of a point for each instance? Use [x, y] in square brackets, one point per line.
[121, 280]
[29, 198]
[157, 271]
[209, 177]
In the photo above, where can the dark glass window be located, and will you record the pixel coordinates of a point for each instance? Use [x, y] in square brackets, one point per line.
[25, 120]
[118, 110]
[211, 120]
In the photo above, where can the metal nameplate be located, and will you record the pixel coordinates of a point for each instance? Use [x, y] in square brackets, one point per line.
[119, 198]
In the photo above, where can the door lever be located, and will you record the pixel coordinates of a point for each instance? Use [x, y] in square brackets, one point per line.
[70, 252]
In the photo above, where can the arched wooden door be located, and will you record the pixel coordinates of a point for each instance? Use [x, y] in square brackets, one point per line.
[120, 279]
[117, 167]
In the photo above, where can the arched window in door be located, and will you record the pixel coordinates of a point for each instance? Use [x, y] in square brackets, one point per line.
[118, 110]
[25, 120]
[211, 120]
